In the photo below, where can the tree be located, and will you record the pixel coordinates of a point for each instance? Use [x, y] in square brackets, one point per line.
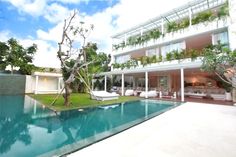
[71, 52]
[15, 55]
[220, 60]
[100, 65]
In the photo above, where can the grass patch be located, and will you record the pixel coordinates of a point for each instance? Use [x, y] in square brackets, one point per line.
[79, 100]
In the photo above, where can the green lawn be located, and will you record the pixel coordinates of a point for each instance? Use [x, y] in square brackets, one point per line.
[78, 100]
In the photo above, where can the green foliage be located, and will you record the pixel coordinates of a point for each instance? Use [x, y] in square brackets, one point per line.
[160, 58]
[15, 55]
[223, 11]
[202, 17]
[184, 23]
[172, 26]
[79, 100]
[169, 56]
[144, 60]
[220, 60]
[153, 59]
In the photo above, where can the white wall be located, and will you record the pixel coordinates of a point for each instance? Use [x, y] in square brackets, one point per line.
[47, 83]
[29, 84]
[232, 27]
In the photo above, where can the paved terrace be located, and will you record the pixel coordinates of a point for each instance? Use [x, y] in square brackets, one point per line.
[190, 130]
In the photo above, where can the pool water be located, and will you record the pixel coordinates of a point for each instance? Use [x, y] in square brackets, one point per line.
[29, 129]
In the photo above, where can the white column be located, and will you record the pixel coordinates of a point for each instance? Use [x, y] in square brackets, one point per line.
[122, 84]
[190, 16]
[105, 83]
[182, 84]
[232, 25]
[162, 26]
[58, 84]
[36, 84]
[146, 84]
[125, 39]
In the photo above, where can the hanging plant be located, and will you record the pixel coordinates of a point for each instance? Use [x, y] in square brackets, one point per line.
[176, 55]
[169, 56]
[153, 59]
[154, 34]
[193, 54]
[172, 26]
[160, 58]
[223, 11]
[144, 60]
[184, 23]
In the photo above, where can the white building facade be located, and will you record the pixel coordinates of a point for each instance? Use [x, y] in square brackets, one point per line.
[164, 53]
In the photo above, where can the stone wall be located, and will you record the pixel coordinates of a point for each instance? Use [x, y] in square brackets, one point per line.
[12, 84]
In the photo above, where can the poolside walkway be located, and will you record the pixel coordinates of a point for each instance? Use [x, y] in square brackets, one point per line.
[190, 130]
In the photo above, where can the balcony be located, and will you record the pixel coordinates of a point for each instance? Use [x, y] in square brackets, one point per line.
[159, 66]
[204, 27]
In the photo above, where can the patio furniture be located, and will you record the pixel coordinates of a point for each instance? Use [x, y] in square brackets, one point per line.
[218, 96]
[129, 92]
[149, 94]
[195, 95]
[103, 95]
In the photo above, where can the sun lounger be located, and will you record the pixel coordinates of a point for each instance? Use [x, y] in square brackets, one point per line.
[103, 95]
[149, 94]
[129, 92]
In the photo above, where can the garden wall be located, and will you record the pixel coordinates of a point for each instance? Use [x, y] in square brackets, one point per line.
[12, 84]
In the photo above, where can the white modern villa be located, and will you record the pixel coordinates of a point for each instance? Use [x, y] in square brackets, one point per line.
[163, 53]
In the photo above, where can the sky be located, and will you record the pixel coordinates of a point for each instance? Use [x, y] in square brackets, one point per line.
[41, 21]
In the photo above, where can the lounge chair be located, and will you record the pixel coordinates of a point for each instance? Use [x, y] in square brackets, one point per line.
[129, 92]
[149, 94]
[103, 95]
[218, 96]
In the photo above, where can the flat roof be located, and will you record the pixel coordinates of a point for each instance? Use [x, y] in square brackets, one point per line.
[197, 5]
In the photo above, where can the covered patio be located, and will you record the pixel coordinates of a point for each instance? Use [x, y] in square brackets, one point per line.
[180, 81]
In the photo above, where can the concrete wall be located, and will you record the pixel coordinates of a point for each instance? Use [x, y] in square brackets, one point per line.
[30, 84]
[12, 84]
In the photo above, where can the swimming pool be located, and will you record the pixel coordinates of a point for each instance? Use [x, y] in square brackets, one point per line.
[29, 129]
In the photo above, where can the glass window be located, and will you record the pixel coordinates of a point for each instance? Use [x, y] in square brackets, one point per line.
[163, 82]
[122, 59]
[171, 47]
[222, 37]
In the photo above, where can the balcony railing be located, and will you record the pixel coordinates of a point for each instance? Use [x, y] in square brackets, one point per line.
[203, 27]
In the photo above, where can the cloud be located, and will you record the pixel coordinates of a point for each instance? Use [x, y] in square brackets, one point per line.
[46, 55]
[5, 35]
[55, 13]
[32, 7]
[116, 18]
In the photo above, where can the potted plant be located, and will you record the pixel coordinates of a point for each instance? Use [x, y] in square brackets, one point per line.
[228, 89]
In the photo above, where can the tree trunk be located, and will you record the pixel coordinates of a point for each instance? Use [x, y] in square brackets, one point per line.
[66, 95]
